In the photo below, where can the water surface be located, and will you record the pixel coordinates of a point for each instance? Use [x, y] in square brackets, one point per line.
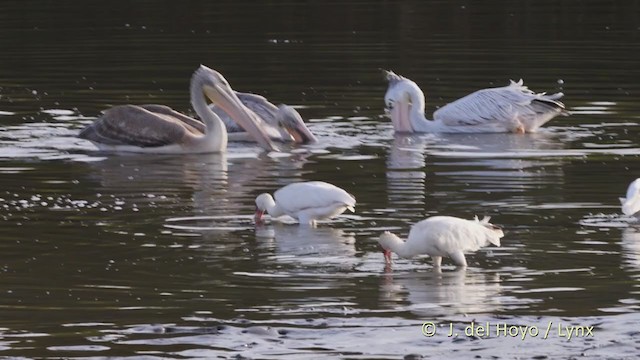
[158, 256]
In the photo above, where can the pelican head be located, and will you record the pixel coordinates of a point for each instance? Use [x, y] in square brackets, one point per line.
[218, 90]
[398, 101]
[291, 121]
[631, 204]
[392, 77]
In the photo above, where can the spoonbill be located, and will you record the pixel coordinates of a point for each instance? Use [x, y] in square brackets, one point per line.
[305, 201]
[440, 236]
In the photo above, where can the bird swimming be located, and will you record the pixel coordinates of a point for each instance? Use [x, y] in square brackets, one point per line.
[283, 123]
[512, 108]
[160, 129]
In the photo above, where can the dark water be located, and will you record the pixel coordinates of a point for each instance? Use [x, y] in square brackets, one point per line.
[158, 257]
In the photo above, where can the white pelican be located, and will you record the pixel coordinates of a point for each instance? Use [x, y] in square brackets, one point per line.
[440, 236]
[283, 123]
[306, 201]
[512, 108]
[159, 129]
[631, 204]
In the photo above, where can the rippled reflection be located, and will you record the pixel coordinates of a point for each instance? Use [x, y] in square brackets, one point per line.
[158, 256]
[631, 249]
[406, 175]
[324, 247]
[441, 293]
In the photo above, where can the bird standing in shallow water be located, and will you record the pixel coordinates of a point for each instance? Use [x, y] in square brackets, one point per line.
[440, 236]
[306, 202]
[512, 108]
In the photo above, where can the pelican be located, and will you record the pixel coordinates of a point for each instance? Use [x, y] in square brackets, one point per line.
[160, 129]
[283, 123]
[306, 201]
[631, 204]
[440, 236]
[512, 108]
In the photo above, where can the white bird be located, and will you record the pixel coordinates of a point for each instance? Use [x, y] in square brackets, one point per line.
[160, 129]
[283, 123]
[306, 202]
[631, 204]
[440, 236]
[512, 108]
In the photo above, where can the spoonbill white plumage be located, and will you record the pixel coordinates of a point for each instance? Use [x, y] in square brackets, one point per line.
[512, 108]
[440, 236]
[631, 204]
[306, 202]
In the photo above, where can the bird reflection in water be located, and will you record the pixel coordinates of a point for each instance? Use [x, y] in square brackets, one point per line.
[309, 246]
[631, 248]
[439, 292]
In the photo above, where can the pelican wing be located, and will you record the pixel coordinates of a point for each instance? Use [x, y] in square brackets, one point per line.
[265, 110]
[313, 194]
[136, 126]
[163, 109]
[259, 105]
[506, 106]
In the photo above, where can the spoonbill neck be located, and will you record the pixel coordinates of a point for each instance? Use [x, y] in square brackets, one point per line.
[394, 243]
[272, 207]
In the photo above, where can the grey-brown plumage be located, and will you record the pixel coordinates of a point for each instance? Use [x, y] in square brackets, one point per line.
[283, 123]
[163, 109]
[151, 127]
[160, 129]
